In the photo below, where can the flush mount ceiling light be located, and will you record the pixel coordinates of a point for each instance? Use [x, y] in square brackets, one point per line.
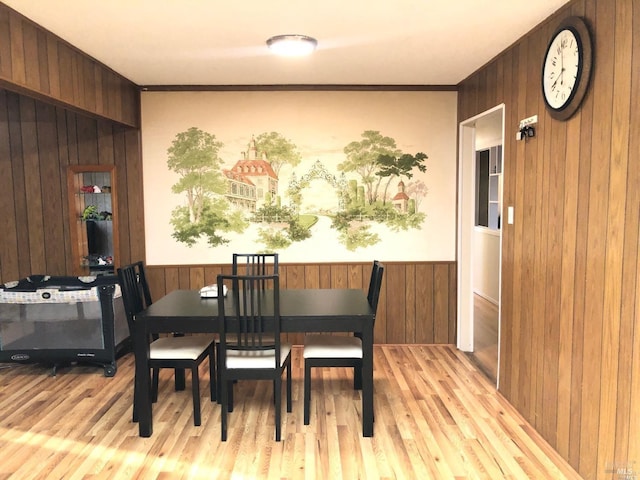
[292, 45]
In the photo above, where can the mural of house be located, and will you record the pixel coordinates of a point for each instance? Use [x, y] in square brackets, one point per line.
[401, 199]
[254, 171]
[241, 192]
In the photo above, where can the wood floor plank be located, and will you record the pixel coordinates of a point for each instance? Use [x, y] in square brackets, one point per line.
[436, 417]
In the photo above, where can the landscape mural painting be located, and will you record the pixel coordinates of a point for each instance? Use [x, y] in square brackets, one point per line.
[321, 176]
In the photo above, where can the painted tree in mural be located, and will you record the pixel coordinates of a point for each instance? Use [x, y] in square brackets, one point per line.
[399, 166]
[194, 156]
[362, 158]
[417, 190]
[279, 150]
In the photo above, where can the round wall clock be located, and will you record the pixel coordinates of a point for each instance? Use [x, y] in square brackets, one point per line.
[567, 68]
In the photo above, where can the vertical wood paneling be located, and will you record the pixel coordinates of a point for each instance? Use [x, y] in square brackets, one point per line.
[184, 278]
[171, 281]
[196, 278]
[586, 116]
[510, 168]
[19, 193]
[567, 286]
[424, 303]
[295, 277]
[32, 185]
[410, 303]
[520, 358]
[51, 181]
[312, 276]
[36, 61]
[9, 245]
[596, 241]
[396, 328]
[5, 44]
[551, 329]
[452, 294]
[570, 338]
[356, 277]
[30, 48]
[65, 69]
[18, 72]
[43, 63]
[627, 436]
[53, 67]
[441, 303]
[40, 141]
[62, 143]
[339, 276]
[390, 322]
[72, 138]
[619, 156]
[325, 276]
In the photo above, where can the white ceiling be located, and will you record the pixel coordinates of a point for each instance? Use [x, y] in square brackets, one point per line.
[360, 42]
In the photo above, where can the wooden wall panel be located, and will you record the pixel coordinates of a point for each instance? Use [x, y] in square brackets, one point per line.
[38, 141]
[36, 63]
[570, 343]
[627, 437]
[391, 326]
[52, 179]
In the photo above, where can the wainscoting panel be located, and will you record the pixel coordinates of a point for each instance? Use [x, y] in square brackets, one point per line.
[417, 302]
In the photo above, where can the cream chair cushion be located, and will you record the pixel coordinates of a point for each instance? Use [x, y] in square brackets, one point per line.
[187, 347]
[332, 346]
[256, 358]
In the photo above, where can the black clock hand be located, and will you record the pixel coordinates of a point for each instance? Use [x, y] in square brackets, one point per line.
[553, 85]
[561, 64]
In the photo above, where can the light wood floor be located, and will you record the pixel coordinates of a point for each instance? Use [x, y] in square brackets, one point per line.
[437, 417]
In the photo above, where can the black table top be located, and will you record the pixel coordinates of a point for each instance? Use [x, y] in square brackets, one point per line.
[303, 310]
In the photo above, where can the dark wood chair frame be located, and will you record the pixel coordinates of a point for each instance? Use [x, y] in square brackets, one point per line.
[249, 330]
[250, 264]
[136, 297]
[373, 295]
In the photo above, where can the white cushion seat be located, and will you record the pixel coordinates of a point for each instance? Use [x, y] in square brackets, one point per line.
[184, 348]
[332, 346]
[256, 358]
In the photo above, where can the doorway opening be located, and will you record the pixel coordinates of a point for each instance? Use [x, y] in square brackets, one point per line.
[480, 209]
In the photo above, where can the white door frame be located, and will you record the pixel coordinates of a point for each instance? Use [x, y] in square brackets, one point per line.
[466, 223]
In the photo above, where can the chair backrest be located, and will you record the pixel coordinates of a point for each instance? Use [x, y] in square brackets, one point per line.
[252, 321]
[374, 295]
[142, 280]
[135, 293]
[372, 279]
[255, 264]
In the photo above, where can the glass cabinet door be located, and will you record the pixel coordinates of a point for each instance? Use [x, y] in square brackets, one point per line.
[93, 217]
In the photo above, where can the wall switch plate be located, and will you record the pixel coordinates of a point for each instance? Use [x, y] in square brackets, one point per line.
[528, 121]
[510, 215]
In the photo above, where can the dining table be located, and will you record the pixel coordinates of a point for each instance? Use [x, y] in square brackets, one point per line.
[301, 311]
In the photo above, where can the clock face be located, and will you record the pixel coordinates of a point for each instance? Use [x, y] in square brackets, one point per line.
[562, 69]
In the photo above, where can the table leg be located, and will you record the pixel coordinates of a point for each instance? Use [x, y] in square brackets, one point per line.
[142, 386]
[367, 382]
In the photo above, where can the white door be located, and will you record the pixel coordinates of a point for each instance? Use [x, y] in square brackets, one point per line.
[475, 134]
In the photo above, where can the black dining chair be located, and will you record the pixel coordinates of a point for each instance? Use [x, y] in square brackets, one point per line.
[176, 352]
[142, 281]
[322, 350]
[250, 346]
[251, 264]
[254, 264]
